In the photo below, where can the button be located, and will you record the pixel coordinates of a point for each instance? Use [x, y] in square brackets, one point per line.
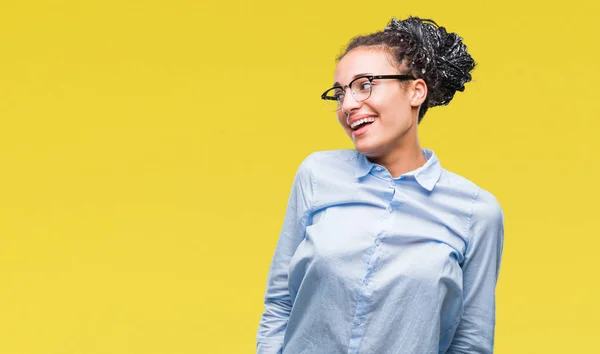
[389, 209]
[379, 168]
[377, 242]
[366, 281]
[358, 322]
[392, 184]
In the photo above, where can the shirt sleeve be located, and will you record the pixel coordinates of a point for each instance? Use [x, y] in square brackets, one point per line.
[475, 332]
[277, 299]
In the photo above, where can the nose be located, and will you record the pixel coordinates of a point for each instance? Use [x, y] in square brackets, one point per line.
[349, 103]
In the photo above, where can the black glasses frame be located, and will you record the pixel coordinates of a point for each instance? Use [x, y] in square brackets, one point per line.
[370, 78]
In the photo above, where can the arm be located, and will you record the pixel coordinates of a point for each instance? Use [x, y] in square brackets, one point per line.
[475, 332]
[277, 300]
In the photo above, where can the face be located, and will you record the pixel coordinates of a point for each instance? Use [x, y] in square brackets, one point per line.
[392, 107]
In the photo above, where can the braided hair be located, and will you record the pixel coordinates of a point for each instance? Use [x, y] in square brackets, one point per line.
[430, 53]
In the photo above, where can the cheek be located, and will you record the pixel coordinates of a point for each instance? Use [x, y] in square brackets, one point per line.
[394, 110]
[341, 118]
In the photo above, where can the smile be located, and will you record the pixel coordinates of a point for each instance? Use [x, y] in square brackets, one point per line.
[359, 123]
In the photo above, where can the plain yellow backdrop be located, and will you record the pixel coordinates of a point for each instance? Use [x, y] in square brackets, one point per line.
[147, 149]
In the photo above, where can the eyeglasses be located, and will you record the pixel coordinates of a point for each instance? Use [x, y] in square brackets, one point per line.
[361, 88]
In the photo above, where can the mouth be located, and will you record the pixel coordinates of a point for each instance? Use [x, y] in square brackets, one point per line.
[361, 123]
[361, 126]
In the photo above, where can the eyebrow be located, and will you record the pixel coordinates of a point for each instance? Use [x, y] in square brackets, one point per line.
[353, 77]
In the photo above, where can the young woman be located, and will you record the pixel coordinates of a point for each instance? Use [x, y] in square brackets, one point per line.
[382, 250]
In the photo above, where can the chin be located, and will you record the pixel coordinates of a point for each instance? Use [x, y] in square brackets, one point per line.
[367, 148]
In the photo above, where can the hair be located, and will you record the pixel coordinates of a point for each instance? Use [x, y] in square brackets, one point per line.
[430, 53]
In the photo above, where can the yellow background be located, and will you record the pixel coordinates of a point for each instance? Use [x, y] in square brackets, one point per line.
[147, 149]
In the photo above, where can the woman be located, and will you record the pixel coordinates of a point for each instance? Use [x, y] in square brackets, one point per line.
[382, 250]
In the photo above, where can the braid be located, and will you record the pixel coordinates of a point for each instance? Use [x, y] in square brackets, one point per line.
[429, 52]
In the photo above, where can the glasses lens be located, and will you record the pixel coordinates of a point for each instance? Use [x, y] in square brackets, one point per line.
[361, 89]
[334, 98]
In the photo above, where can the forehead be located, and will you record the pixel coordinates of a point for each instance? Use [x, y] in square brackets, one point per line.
[363, 61]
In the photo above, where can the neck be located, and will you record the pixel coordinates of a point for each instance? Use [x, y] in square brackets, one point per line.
[402, 160]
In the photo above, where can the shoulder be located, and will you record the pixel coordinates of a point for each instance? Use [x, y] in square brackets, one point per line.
[478, 194]
[454, 180]
[486, 213]
[321, 166]
[332, 156]
[329, 161]
[484, 206]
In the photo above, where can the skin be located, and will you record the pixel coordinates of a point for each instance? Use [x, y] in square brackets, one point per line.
[391, 141]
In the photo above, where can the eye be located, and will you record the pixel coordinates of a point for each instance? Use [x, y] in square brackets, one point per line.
[338, 94]
[362, 85]
[366, 85]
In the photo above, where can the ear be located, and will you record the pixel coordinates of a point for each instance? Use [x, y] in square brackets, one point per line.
[418, 92]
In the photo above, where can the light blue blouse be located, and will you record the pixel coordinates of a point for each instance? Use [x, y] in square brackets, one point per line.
[366, 263]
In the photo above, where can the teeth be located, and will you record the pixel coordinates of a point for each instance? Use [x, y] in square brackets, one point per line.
[362, 121]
